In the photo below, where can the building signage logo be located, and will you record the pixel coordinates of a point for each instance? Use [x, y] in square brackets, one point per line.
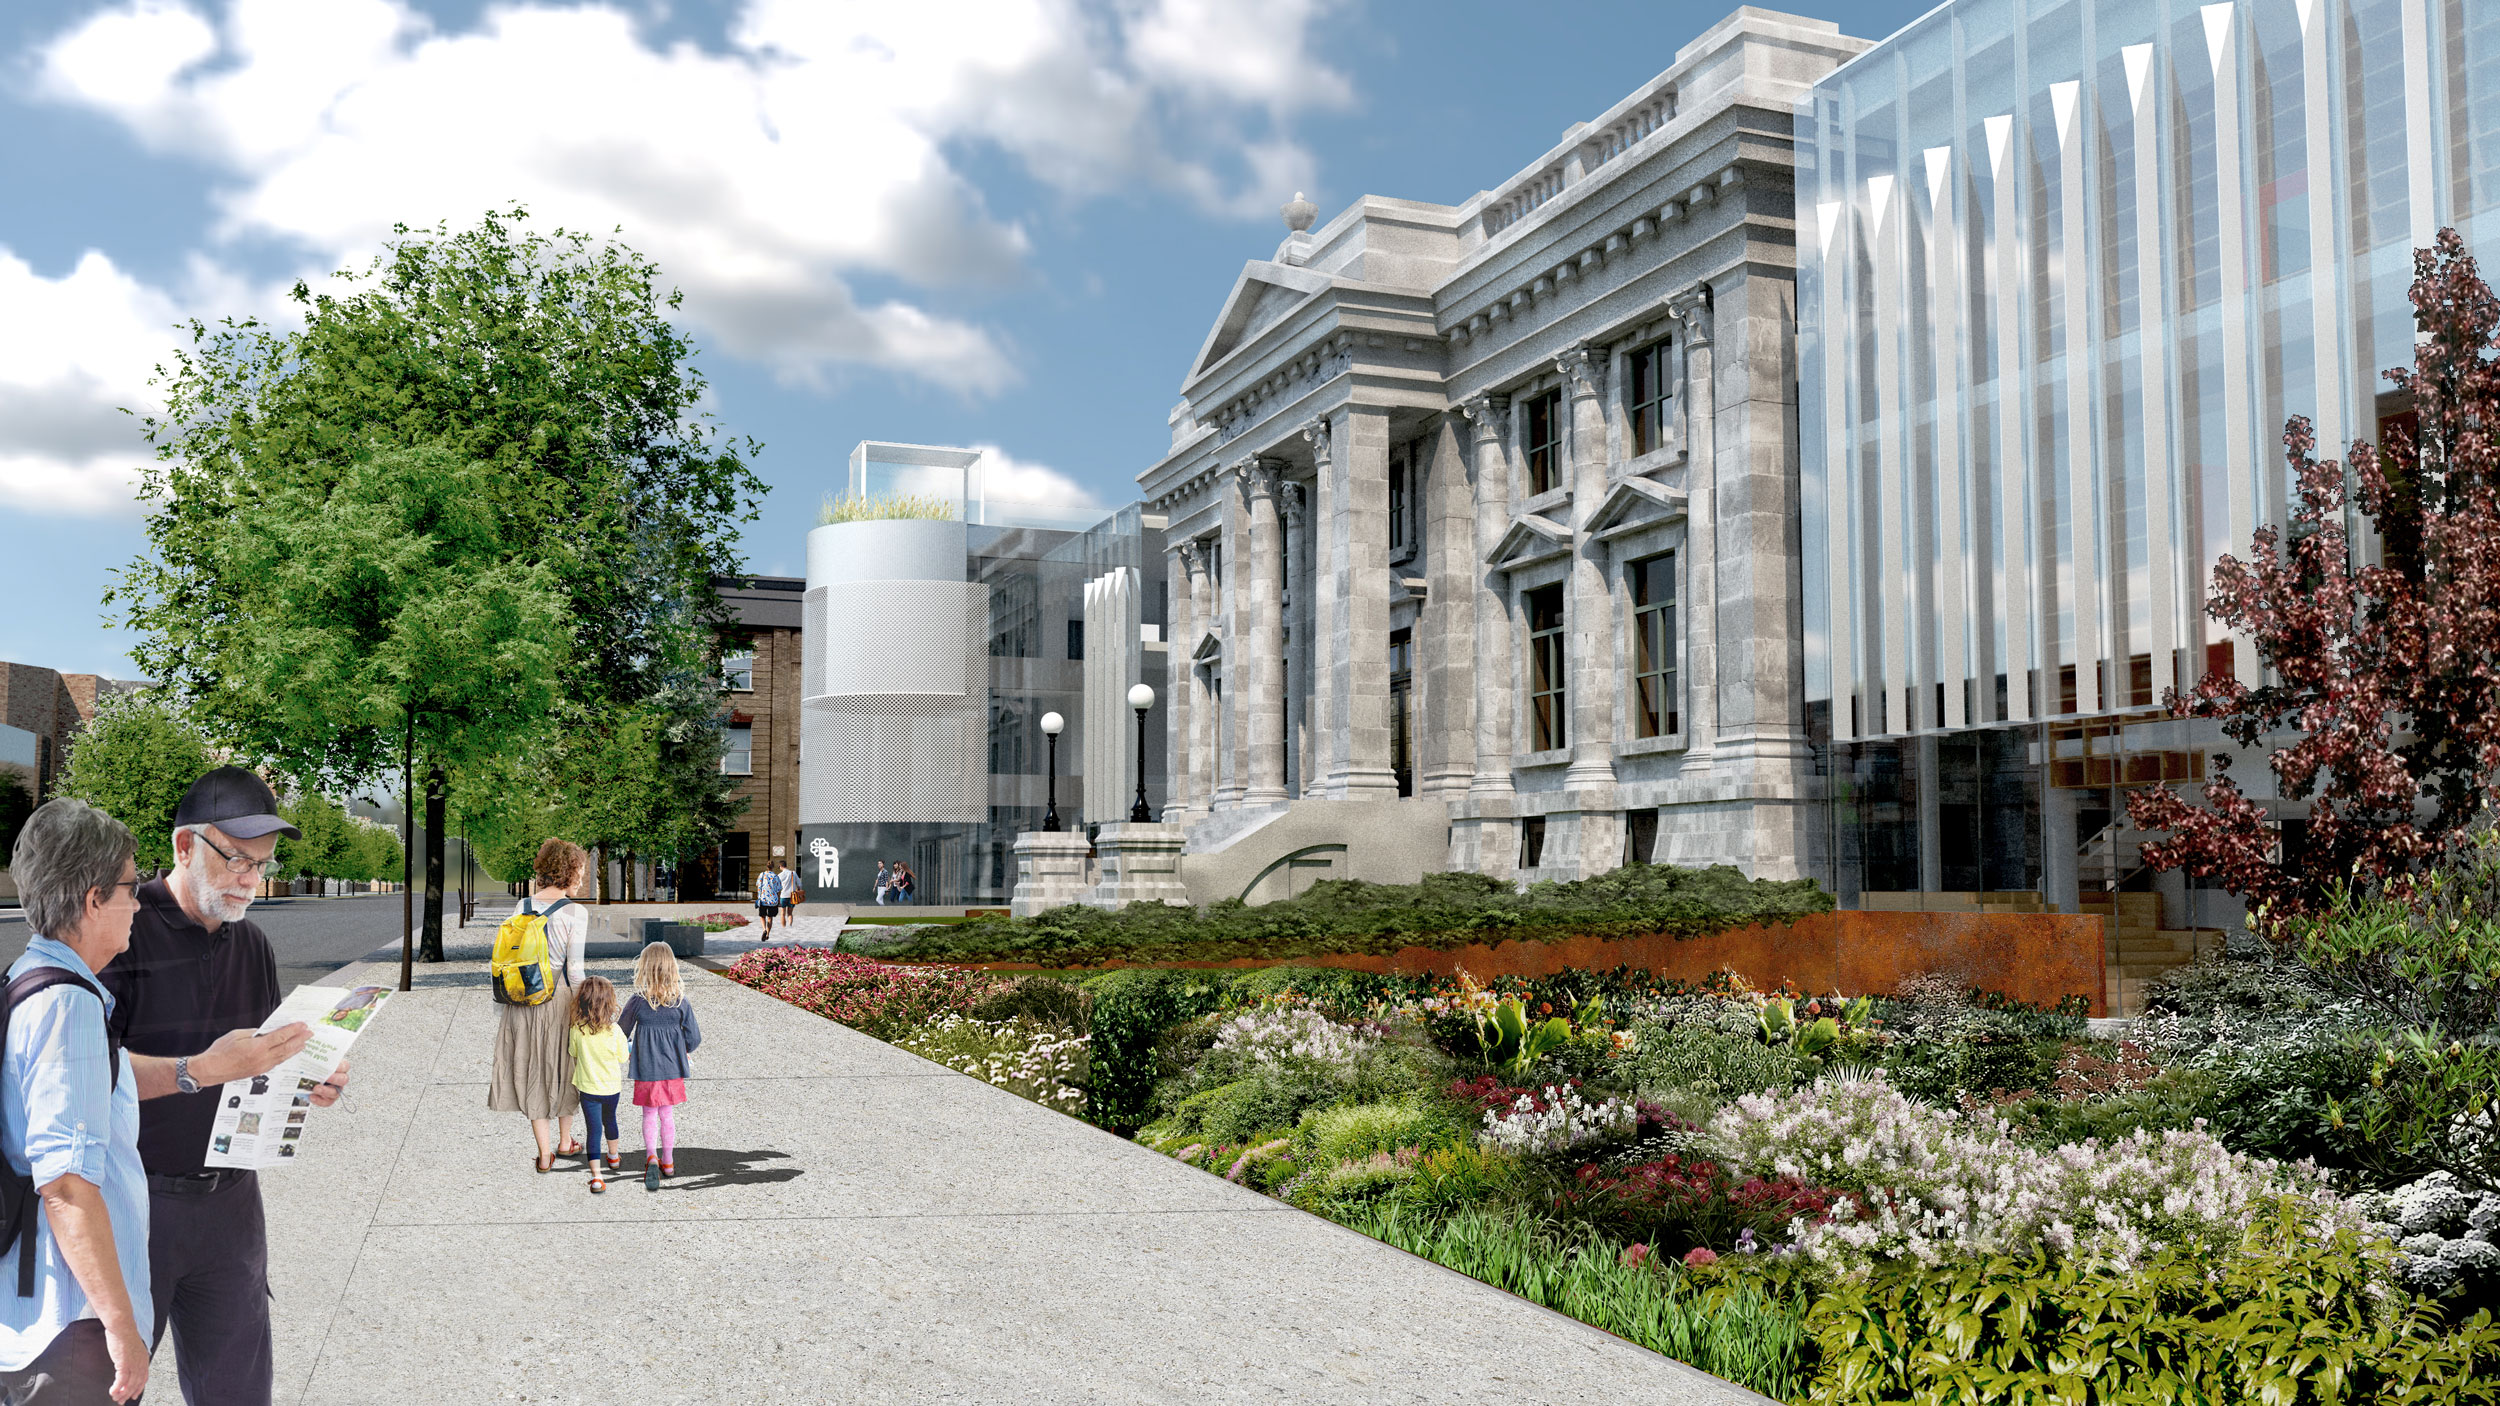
[828, 863]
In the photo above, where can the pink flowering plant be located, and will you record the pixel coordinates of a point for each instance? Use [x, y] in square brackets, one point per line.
[876, 998]
[1940, 1184]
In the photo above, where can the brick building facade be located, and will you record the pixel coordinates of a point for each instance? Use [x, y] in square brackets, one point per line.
[761, 691]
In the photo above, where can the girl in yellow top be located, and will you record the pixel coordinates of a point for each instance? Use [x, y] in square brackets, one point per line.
[598, 1070]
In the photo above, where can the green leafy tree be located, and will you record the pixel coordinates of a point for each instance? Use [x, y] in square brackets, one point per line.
[373, 853]
[325, 851]
[390, 622]
[549, 359]
[133, 761]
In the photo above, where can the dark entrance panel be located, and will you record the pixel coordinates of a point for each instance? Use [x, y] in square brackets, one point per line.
[1640, 836]
[731, 873]
[1401, 709]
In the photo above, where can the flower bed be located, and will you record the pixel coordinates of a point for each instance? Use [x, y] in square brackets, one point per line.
[1810, 1195]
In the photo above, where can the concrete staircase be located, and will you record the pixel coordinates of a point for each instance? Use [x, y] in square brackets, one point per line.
[2139, 947]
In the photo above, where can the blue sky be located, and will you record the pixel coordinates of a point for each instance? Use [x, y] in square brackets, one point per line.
[997, 222]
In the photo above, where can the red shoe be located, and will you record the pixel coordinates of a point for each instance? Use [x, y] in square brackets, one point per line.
[668, 1169]
[614, 1161]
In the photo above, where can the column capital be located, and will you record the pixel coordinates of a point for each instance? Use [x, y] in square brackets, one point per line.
[1488, 413]
[1583, 369]
[1316, 431]
[1691, 311]
[1258, 477]
[1193, 555]
[1292, 500]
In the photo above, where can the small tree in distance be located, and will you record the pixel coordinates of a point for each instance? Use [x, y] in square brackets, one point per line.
[2386, 677]
[133, 761]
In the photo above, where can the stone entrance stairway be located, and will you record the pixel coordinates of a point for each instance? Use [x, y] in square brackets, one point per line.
[2140, 947]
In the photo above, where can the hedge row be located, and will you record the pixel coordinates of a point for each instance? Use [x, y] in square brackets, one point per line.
[1352, 917]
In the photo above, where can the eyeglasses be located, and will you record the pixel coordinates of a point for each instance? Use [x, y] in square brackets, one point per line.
[235, 863]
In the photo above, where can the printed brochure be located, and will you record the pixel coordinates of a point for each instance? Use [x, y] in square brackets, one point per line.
[261, 1121]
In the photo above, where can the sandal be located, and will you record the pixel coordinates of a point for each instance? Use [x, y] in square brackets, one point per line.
[570, 1149]
[544, 1164]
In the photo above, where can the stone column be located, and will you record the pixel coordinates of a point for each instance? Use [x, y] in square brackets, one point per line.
[1591, 600]
[1692, 313]
[1179, 683]
[1293, 507]
[1358, 542]
[1446, 633]
[1202, 733]
[1263, 687]
[1231, 604]
[1489, 416]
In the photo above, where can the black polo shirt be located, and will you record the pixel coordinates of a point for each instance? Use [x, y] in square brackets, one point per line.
[175, 991]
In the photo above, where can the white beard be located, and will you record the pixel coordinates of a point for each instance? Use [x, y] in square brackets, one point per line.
[205, 898]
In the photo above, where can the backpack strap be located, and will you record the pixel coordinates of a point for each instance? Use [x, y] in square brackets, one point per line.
[21, 1190]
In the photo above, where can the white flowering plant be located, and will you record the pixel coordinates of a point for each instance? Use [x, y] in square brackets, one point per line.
[1044, 1063]
[1939, 1184]
[1557, 1119]
[1281, 1032]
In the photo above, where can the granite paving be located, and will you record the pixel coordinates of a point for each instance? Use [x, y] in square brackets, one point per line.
[849, 1223]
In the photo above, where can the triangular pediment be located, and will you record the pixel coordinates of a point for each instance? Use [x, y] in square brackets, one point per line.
[1532, 538]
[1210, 648]
[1633, 505]
[1263, 294]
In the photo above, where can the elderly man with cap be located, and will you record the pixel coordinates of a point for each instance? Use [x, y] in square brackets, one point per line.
[197, 971]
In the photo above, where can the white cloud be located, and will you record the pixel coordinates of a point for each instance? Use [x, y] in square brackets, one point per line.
[96, 333]
[821, 144]
[1010, 490]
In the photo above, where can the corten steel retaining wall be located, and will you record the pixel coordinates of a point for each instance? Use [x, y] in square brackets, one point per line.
[2040, 958]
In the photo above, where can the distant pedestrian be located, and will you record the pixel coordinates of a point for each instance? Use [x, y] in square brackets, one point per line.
[791, 897]
[768, 895]
[598, 1048]
[660, 1023]
[906, 883]
[533, 1071]
[885, 881]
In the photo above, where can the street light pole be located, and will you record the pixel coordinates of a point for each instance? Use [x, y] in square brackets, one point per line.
[1141, 698]
[1052, 723]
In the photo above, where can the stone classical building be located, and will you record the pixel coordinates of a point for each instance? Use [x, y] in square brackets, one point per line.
[1483, 517]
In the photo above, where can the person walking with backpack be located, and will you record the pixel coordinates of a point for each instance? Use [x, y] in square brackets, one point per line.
[75, 1312]
[660, 1023]
[533, 1072]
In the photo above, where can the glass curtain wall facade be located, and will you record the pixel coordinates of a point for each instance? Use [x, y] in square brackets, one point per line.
[2065, 268]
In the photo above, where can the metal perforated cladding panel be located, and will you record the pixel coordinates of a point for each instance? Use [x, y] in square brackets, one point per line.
[886, 637]
[899, 732]
[812, 644]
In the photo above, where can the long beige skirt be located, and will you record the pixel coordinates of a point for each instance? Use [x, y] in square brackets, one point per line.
[533, 1059]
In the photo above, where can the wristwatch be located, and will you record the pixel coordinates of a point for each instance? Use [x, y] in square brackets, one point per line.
[182, 1075]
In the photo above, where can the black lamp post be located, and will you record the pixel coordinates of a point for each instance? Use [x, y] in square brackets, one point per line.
[1141, 698]
[1052, 724]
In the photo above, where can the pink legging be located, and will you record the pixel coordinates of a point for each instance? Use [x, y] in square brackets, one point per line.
[659, 1131]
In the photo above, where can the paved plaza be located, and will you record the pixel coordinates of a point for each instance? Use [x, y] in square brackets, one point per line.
[848, 1223]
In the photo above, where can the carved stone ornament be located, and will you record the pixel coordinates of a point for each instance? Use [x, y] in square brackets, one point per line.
[1490, 414]
[1691, 311]
[1583, 371]
[1193, 555]
[1257, 477]
[1315, 430]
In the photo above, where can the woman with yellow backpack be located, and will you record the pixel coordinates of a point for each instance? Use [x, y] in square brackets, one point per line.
[537, 962]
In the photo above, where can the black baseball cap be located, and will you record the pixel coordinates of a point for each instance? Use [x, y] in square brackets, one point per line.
[235, 801]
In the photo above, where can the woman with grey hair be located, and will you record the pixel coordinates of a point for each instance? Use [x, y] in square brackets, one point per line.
[77, 1328]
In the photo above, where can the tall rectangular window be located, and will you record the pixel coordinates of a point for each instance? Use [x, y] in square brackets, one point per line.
[1653, 646]
[1401, 499]
[1544, 442]
[1650, 390]
[1401, 706]
[1546, 667]
[737, 673]
[737, 757]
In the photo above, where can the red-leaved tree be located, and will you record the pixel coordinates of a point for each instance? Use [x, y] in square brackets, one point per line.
[2387, 677]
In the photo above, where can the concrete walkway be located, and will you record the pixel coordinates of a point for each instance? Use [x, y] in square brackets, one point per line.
[849, 1223]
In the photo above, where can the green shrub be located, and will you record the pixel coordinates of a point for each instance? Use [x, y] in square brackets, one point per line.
[1244, 1111]
[1030, 1059]
[1130, 1009]
[2294, 1318]
[1041, 999]
[1736, 1327]
[1350, 916]
[2174, 1099]
[1693, 1062]
[1354, 1130]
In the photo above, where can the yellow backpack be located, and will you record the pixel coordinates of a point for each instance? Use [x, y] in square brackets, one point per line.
[523, 973]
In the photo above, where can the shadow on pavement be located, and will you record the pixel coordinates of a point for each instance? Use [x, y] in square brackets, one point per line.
[702, 1168]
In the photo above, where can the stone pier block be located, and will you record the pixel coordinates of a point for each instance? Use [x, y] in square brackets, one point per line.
[1139, 863]
[1050, 871]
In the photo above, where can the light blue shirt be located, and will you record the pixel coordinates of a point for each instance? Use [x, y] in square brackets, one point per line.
[62, 1115]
